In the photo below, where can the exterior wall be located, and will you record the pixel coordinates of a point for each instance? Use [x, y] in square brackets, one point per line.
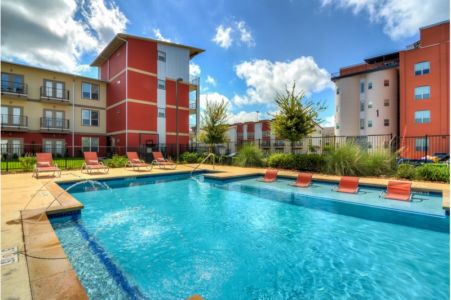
[349, 99]
[33, 106]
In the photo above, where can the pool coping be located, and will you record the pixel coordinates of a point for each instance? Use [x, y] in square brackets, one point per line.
[39, 237]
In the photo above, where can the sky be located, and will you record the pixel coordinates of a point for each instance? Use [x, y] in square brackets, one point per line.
[253, 49]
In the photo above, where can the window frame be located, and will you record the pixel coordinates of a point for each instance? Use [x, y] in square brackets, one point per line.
[422, 118]
[386, 102]
[91, 147]
[11, 86]
[91, 85]
[54, 89]
[90, 117]
[386, 122]
[161, 56]
[161, 87]
[370, 123]
[423, 145]
[421, 69]
[163, 110]
[422, 95]
[386, 82]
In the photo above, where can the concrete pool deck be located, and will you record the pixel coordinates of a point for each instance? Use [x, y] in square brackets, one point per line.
[25, 226]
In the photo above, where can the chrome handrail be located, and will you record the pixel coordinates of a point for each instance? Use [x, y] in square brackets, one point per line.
[203, 161]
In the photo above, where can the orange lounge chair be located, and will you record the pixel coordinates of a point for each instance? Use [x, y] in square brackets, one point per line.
[270, 175]
[161, 162]
[399, 190]
[348, 184]
[303, 180]
[45, 164]
[92, 163]
[136, 163]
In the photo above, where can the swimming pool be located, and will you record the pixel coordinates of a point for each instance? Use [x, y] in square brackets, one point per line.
[169, 237]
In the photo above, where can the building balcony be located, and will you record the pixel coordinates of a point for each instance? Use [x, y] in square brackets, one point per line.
[55, 95]
[54, 125]
[192, 107]
[16, 89]
[14, 122]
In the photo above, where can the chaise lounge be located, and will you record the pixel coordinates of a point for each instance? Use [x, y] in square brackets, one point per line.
[136, 163]
[92, 163]
[161, 162]
[45, 164]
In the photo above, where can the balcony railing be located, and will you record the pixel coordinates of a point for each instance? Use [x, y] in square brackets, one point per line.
[14, 121]
[192, 105]
[54, 94]
[54, 124]
[14, 88]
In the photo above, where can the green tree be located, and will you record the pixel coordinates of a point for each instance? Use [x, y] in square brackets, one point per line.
[297, 116]
[214, 122]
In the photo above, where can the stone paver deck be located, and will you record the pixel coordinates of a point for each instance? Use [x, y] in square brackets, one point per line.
[25, 225]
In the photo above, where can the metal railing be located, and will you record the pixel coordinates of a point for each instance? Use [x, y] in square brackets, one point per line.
[210, 155]
[13, 87]
[52, 93]
[14, 120]
[54, 124]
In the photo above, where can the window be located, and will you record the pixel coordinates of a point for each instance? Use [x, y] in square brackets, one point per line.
[162, 56]
[90, 144]
[370, 104]
[422, 92]
[362, 87]
[386, 82]
[422, 68]
[386, 102]
[338, 91]
[53, 119]
[422, 116]
[89, 117]
[386, 122]
[13, 116]
[337, 126]
[13, 83]
[161, 112]
[370, 85]
[362, 124]
[90, 91]
[362, 106]
[54, 146]
[11, 147]
[53, 89]
[370, 123]
[421, 144]
[161, 84]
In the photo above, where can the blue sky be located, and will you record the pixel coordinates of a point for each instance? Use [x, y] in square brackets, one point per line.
[261, 46]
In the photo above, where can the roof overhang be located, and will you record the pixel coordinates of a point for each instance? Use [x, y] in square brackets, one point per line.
[121, 38]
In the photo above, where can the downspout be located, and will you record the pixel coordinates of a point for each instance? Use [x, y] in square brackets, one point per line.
[126, 91]
[73, 118]
[177, 117]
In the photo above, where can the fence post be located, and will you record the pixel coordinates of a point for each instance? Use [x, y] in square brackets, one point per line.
[425, 148]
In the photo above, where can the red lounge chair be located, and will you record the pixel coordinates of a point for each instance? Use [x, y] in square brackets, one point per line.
[304, 180]
[399, 190]
[270, 175]
[92, 163]
[162, 162]
[136, 163]
[348, 184]
[45, 164]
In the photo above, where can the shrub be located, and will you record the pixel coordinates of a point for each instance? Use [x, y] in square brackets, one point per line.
[27, 162]
[301, 162]
[189, 157]
[347, 159]
[406, 171]
[282, 161]
[249, 156]
[433, 172]
[379, 163]
[117, 161]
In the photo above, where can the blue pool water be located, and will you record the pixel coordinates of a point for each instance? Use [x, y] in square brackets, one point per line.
[171, 237]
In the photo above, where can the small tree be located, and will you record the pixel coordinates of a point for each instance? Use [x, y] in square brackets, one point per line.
[297, 116]
[214, 123]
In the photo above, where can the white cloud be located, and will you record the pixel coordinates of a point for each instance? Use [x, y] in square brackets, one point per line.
[264, 79]
[223, 36]
[400, 18]
[194, 70]
[210, 80]
[243, 116]
[245, 34]
[213, 97]
[58, 33]
[329, 121]
[159, 36]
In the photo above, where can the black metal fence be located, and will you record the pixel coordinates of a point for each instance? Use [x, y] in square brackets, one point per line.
[417, 149]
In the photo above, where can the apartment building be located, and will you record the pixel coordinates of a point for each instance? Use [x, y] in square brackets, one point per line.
[52, 109]
[143, 97]
[402, 94]
[424, 91]
[259, 133]
[148, 92]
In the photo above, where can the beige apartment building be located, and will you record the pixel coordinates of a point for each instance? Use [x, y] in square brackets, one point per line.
[45, 110]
